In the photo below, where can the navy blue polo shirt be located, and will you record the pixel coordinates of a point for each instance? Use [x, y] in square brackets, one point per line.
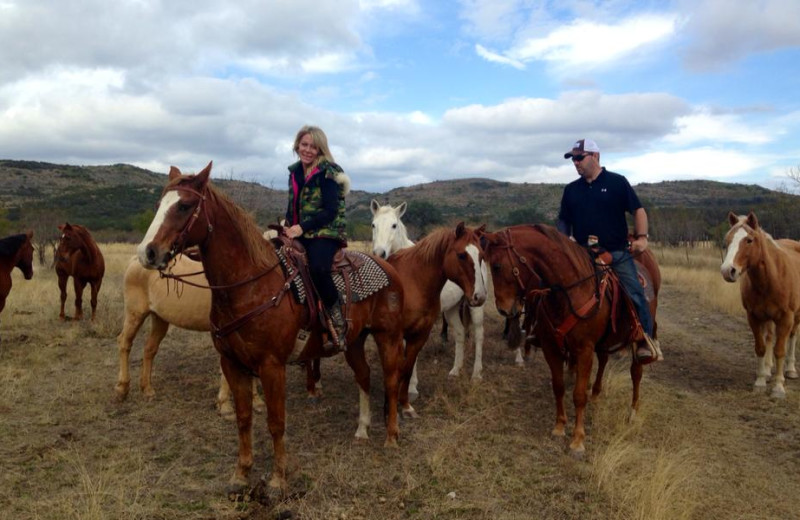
[598, 208]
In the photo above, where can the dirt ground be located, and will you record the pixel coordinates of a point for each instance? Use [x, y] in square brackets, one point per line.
[704, 445]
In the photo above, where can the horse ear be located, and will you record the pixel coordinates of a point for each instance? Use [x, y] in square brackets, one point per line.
[30, 234]
[374, 206]
[481, 230]
[401, 209]
[203, 175]
[61, 227]
[174, 173]
[733, 218]
[752, 221]
[460, 230]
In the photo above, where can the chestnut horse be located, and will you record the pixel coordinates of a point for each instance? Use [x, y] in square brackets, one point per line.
[769, 271]
[445, 254]
[15, 251]
[388, 236]
[78, 256]
[254, 319]
[166, 303]
[567, 308]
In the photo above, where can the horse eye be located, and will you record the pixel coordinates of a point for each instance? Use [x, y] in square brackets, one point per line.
[373, 226]
[496, 268]
[394, 226]
[749, 240]
[184, 207]
[462, 256]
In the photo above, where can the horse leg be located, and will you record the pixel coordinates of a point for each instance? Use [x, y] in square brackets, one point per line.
[78, 285]
[476, 314]
[258, 404]
[313, 376]
[242, 399]
[556, 364]
[62, 287]
[519, 359]
[390, 347]
[583, 372]
[224, 407]
[413, 391]
[131, 325]
[597, 387]
[354, 355]
[763, 370]
[273, 382]
[791, 369]
[158, 329]
[636, 378]
[451, 316]
[95, 290]
[413, 346]
[782, 331]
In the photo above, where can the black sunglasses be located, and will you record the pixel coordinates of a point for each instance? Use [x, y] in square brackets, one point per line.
[578, 158]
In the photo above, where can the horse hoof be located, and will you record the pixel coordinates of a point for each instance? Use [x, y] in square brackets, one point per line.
[792, 374]
[558, 432]
[477, 378]
[391, 442]
[410, 413]
[454, 373]
[778, 393]
[237, 492]
[578, 454]
[413, 396]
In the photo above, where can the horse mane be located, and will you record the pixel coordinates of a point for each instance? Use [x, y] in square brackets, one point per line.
[11, 244]
[574, 252]
[431, 247]
[260, 251]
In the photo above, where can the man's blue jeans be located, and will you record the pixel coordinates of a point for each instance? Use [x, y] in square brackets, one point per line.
[626, 271]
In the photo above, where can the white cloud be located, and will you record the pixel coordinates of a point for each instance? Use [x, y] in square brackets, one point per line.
[585, 43]
[695, 163]
[721, 32]
[488, 55]
[704, 126]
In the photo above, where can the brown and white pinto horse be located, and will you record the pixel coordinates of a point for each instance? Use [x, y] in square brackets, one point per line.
[453, 254]
[15, 251]
[769, 274]
[568, 308]
[78, 256]
[254, 318]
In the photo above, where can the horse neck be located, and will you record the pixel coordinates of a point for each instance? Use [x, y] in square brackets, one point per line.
[424, 264]
[766, 270]
[559, 264]
[401, 240]
[227, 254]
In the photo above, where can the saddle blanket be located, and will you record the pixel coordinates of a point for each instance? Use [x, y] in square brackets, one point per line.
[365, 281]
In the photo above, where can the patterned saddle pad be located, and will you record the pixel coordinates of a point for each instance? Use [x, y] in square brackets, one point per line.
[364, 281]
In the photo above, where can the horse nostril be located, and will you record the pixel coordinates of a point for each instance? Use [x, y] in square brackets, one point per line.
[151, 254]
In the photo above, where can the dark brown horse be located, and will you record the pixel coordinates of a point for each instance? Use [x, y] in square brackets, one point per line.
[254, 318]
[78, 256]
[15, 251]
[569, 307]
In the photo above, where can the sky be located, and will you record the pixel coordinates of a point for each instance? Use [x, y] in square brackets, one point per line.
[407, 91]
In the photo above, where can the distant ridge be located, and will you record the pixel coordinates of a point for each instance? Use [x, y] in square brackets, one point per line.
[113, 197]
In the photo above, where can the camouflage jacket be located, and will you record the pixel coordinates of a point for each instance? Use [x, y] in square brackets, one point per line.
[321, 213]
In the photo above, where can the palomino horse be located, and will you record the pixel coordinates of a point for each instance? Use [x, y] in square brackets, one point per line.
[445, 254]
[770, 287]
[254, 318]
[166, 303]
[388, 236]
[78, 256]
[15, 251]
[568, 307]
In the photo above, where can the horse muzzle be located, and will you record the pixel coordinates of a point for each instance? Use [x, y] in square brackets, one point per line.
[730, 273]
[151, 257]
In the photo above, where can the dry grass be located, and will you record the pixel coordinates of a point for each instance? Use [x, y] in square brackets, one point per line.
[703, 446]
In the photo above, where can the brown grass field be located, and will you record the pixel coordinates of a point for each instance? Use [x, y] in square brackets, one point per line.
[704, 445]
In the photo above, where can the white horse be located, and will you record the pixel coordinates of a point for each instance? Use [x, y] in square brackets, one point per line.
[389, 235]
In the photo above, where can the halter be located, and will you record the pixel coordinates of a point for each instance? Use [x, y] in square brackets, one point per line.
[178, 245]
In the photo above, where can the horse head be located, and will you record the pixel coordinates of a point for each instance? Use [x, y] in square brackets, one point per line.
[744, 245]
[173, 227]
[388, 231]
[465, 264]
[508, 295]
[25, 256]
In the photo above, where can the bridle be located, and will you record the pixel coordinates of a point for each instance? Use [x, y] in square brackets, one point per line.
[179, 246]
[533, 297]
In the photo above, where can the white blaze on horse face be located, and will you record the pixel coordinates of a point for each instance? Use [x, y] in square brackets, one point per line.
[167, 201]
[479, 295]
[730, 271]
